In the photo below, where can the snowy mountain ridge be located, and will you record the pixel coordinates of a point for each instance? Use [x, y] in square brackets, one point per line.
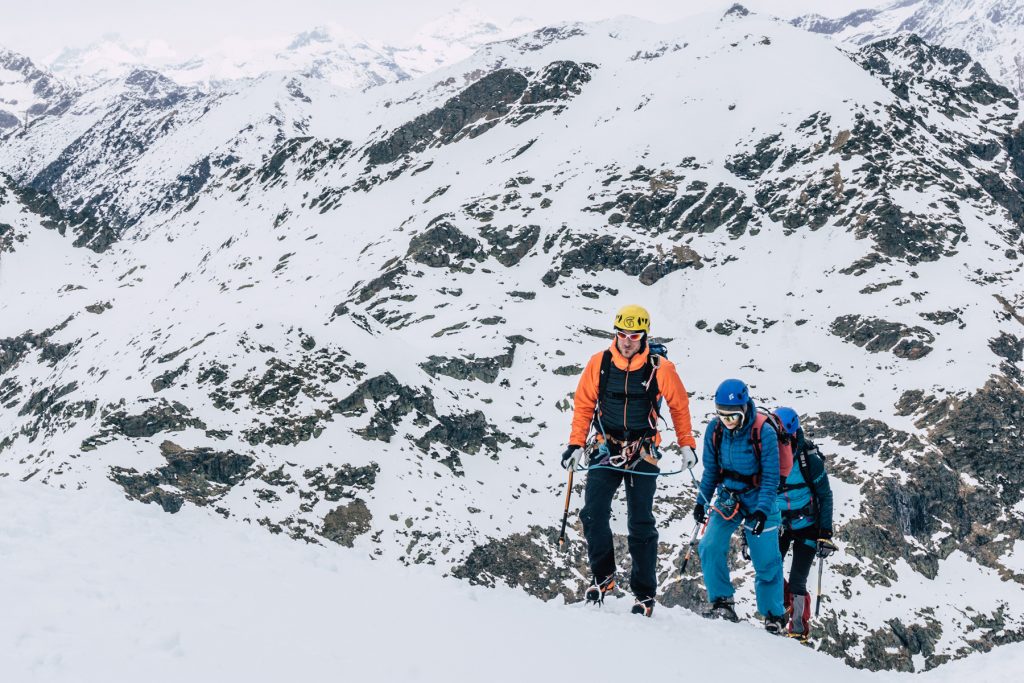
[329, 51]
[992, 31]
[358, 317]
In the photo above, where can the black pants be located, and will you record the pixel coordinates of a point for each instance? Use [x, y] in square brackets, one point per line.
[805, 547]
[643, 534]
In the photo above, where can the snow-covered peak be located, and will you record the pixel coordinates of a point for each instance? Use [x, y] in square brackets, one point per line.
[112, 57]
[329, 51]
[454, 37]
[992, 31]
[27, 91]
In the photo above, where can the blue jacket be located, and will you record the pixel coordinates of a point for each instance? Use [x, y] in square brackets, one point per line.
[795, 497]
[736, 453]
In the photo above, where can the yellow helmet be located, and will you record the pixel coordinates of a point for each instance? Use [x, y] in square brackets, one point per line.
[633, 318]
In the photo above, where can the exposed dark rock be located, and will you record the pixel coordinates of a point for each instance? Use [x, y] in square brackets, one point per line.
[168, 378]
[471, 367]
[530, 561]
[487, 100]
[344, 482]
[1008, 346]
[200, 476]
[467, 433]
[391, 402]
[345, 523]
[606, 252]
[876, 335]
[14, 349]
[511, 244]
[164, 416]
[445, 246]
[481, 106]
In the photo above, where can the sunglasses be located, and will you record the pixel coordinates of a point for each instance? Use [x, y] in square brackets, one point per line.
[631, 336]
[730, 416]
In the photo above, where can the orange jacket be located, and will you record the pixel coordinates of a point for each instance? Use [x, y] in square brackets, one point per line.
[670, 387]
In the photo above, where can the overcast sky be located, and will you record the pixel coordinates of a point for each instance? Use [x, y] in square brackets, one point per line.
[41, 28]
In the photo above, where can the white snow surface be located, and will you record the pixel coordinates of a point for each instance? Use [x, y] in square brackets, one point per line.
[97, 588]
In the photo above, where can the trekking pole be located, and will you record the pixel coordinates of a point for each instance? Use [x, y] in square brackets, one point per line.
[565, 515]
[817, 602]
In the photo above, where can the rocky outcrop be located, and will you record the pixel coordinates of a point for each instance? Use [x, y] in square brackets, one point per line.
[607, 252]
[876, 335]
[162, 416]
[471, 367]
[347, 522]
[481, 106]
[200, 476]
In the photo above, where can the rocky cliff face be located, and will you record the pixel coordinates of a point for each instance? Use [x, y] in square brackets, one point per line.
[358, 318]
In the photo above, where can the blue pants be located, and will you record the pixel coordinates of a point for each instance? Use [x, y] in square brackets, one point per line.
[764, 553]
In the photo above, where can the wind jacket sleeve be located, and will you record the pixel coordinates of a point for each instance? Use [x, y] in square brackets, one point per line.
[585, 402]
[671, 388]
[769, 489]
[712, 471]
[822, 489]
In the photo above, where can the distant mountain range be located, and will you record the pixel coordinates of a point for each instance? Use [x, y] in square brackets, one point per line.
[992, 31]
[330, 52]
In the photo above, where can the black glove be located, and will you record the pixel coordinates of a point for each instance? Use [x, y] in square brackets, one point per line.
[699, 513]
[759, 518]
[569, 457]
[825, 533]
[826, 547]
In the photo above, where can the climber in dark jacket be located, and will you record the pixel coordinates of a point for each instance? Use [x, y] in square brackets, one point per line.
[805, 501]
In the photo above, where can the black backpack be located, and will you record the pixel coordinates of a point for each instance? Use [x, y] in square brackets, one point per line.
[656, 350]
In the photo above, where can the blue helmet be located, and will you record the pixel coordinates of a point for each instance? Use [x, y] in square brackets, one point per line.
[789, 419]
[732, 392]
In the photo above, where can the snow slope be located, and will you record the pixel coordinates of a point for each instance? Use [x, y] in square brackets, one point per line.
[96, 588]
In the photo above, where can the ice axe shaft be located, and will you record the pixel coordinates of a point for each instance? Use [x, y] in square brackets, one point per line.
[694, 537]
[817, 601]
[565, 514]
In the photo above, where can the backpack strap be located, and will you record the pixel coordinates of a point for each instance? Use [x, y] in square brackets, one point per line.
[750, 480]
[651, 385]
[805, 472]
[602, 380]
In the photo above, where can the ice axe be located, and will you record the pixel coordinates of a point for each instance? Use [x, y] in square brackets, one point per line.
[825, 548]
[565, 514]
[694, 537]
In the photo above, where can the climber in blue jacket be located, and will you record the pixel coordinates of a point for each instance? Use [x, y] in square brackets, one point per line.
[747, 488]
[805, 503]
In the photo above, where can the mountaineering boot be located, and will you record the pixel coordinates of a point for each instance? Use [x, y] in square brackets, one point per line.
[775, 624]
[644, 606]
[595, 593]
[799, 624]
[722, 608]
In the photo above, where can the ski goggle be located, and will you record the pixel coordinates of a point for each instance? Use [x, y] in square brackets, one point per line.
[631, 336]
[730, 416]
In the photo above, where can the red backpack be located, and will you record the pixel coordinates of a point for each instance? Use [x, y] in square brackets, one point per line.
[785, 448]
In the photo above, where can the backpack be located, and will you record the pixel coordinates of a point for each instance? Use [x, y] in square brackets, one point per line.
[785, 448]
[656, 350]
[805, 471]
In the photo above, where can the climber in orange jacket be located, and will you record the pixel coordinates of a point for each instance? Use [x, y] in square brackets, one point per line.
[619, 394]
